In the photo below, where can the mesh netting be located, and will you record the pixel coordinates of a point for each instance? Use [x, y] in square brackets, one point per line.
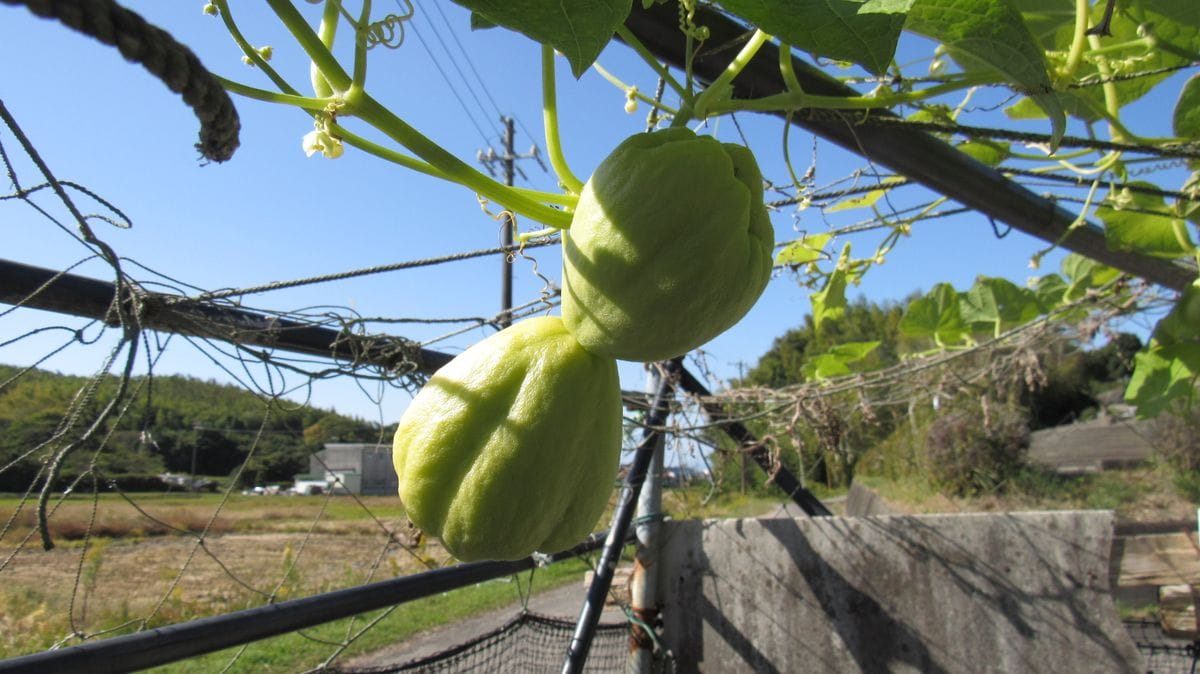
[1163, 654]
[527, 643]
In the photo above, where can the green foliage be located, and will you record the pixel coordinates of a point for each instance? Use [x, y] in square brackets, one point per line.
[991, 35]
[1132, 223]
[579, 29]
[171, 419]
[858, 31]
[1169, 369]
[862, 322]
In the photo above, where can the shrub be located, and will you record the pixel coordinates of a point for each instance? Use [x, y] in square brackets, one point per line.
[969, 453]
[1176, 439]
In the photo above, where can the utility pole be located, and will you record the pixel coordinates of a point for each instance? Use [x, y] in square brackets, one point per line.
[506, 237]
[509, 171]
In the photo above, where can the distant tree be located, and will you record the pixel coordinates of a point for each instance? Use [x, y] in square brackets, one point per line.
[862, 321]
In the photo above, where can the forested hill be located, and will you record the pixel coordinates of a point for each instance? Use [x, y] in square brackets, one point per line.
[171, 419]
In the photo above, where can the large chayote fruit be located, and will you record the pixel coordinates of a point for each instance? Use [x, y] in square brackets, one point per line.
[669, 246]
[513, 446]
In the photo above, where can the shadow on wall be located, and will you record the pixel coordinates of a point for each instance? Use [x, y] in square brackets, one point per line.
[946, 593]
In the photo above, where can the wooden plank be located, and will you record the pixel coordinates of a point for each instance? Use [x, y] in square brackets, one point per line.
[1177, 608]
[1158, 560]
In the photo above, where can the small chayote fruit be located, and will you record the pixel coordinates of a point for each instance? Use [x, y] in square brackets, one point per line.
[513, 446]
[670, 245]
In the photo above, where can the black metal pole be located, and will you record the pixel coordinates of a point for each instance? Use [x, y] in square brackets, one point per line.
[593, 605]
[177, 642]
[39, 288]
[781, 476]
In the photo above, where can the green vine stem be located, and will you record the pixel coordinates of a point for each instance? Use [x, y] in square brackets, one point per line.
[798, 100]
[1079, 39]
[788, 70]
[359, 78]
[250, 52]
[616, 82]
[326, 31]
[630, 39]
[355, 101]
[550, 121]
[360, 104]
[721, 85]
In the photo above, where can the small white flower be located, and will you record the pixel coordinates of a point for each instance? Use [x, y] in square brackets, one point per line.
[319, 140]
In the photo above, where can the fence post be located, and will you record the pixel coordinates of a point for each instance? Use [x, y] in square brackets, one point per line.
[643, 589]
[589, 615]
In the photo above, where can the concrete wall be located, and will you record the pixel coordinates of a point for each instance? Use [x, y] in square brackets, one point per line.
[942, 593]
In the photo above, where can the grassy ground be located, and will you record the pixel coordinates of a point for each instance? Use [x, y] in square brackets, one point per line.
[1149, 494]
[152, 559]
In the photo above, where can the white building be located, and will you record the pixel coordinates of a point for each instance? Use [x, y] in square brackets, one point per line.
[356, 468]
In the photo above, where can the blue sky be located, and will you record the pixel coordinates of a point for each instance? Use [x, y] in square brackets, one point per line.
[271, 213]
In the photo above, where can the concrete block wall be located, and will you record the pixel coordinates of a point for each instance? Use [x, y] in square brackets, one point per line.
[1020, 592]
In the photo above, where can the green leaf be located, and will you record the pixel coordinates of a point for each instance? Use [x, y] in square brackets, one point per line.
[1176, 25]
[803, 251]
[1085, 273]
[991, 35]
[1190, 208]
[996, 304]
[1049, 291]
[579, 29]
[1132, 223]
[936, 316]
[1187, 110]
[859, 31]
[865, 199]
[1182, 323]
[837, 361]
[987, 152]
[1162, 376]
[830, 301]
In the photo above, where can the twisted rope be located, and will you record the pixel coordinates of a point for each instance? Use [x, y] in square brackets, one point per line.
[155, 49]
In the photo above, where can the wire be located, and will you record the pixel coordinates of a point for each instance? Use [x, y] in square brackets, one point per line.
[453, 90]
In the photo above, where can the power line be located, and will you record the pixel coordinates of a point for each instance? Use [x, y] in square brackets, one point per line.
[462, 52]
[453, 89]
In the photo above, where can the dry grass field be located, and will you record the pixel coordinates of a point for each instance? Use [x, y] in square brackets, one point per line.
[117, 565]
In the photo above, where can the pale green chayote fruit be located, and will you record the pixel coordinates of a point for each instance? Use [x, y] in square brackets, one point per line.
[513, 446]
[669, 246]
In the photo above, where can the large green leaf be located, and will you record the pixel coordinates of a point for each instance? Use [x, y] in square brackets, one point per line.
[997, 304]
[830, 301]
[802, 251]
[936, 316]
[1187, 110]
[1176, 25]
[838, 360]
[991, 35]
[1137, 226]
[1161, 376]
[579, 29]
[1084, 273]
[859, 31]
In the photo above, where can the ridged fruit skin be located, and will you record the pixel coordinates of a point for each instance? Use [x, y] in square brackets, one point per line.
[513, 446]
[669, 246]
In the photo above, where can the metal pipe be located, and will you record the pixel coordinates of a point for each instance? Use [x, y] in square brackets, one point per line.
[593, 605]
[39, 288]
[643, 586]
[781, 476]
[176, 642]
